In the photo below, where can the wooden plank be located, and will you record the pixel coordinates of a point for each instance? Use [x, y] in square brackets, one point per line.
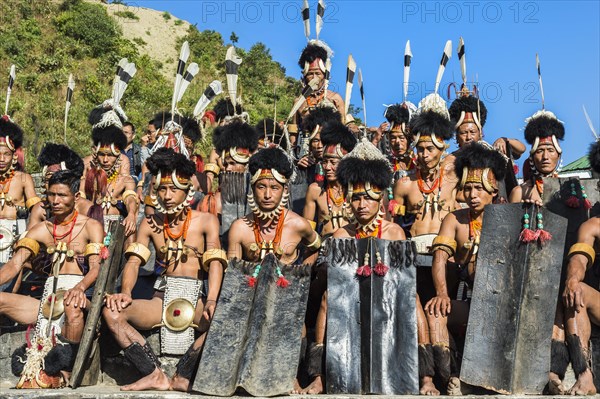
[104, 283]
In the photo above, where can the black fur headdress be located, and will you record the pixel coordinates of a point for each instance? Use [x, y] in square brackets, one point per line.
[271, 158]
[397, 114]
[365, 164]
[54, 154]
[543, 124]
[10, 129]
[319, 116]
[109, 135]
[431, 123]
[224, 108]
[312, 52]
[470, 104]
[335, 132]
[235, 134]
[165, 160]
[479, 156]
[594, 156]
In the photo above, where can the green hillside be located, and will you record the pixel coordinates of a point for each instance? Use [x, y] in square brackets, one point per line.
[47, 40]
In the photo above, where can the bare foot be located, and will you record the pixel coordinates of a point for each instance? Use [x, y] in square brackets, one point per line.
[454, 387]
[555, 385]
[156, 381]
[179, 383]
[427, 387]
[297, 388]
[315, 387]
[584, 384]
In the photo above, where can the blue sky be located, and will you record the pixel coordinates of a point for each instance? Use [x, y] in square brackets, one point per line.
[501, 40]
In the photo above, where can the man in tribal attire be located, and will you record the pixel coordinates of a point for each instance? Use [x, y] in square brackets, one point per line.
[17, 192]
[582, 306]
[365, 174]
[189, 265]
[72, 245]
[479, 169]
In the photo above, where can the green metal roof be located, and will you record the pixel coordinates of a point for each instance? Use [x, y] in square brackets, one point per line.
[582, 163]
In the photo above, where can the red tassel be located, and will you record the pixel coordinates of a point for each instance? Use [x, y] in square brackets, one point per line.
[319, 178]
[572, 202]
[364, 271]
[391, 205]
[282, 282]
[28, 335]
[252, 281]
[587, 204]
[380, 269]
[527, 235]
[516, 169]
[544, 236]
[104, 253]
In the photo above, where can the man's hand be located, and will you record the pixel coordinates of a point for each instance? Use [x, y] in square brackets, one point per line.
[129, 223]
[209, 309]
[305, 162]
[500, 145]
[118, 302]
[440, 305]
[573, 295]
[75, 296]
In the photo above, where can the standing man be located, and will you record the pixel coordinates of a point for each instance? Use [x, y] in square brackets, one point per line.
[133, 151]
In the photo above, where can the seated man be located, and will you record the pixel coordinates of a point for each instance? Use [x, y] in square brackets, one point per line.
[581, 302]
[73, 244]
[189, 267]
[17, 192]
[52, 158]
[270, 228]
[542, 132]
[479, 169]
[365, 174]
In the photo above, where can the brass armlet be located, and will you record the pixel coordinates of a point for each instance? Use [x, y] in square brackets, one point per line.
[139, 250]
[445, 244]
[93, 248]
[214, 254]
[399, 210]
[30, 244]
[212, 168]
[313, 224]
[130, 193]
[148, 201]
[292, 128]
[586, 250]
[316, 244]
[32, 201]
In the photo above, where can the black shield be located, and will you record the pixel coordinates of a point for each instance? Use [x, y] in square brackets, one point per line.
[234, 188]
[255, 335]
[371, 321]
[507, 346]
[559, 190]
[298, 189]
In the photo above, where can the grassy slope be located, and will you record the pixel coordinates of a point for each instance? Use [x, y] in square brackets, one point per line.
[47, 40]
